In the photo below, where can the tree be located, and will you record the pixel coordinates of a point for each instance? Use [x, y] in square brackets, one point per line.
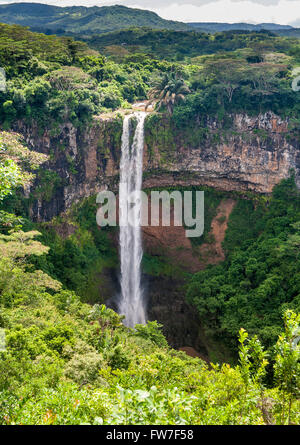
[287, 363]
[167, 91]
[17, 164]
[227, 73]
[10, 177]
[263, 77]
[17, 281]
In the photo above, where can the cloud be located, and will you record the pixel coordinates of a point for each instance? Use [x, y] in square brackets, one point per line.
[263, 2]
[296, 23]
[166, 3]
[151, 4]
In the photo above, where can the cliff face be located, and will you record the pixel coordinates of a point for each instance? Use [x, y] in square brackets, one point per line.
[253, 154]
[85, 161]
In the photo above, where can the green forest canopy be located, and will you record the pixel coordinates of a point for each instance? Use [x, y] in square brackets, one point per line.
[52, 79]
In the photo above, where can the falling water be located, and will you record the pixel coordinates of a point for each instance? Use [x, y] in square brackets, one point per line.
[132, 303]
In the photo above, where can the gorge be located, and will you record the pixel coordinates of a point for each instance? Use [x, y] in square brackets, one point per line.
[248, 158]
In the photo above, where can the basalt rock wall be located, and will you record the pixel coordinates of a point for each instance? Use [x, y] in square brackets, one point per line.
[251, 154]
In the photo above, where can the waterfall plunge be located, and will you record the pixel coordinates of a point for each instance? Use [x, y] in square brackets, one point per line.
[132, 303]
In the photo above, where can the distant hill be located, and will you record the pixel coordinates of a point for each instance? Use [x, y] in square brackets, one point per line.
[83, 20]
[177, 46]
[294, 32]
[213, 27]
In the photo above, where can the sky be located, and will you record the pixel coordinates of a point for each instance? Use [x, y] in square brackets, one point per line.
[285, 12]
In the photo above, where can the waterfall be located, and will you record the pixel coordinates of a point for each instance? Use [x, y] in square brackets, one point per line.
[131, 302]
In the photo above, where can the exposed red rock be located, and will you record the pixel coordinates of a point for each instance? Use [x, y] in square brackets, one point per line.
[173, 243]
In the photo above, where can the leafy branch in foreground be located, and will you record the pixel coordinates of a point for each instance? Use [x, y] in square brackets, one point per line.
[17, 166]
[287, 363]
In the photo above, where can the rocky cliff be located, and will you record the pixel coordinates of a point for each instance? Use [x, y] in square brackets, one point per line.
[248, 154]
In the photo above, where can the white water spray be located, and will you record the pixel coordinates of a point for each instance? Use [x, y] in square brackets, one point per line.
[131, 303]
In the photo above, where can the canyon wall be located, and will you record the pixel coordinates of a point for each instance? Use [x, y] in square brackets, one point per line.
[250, 154]
[253, 154]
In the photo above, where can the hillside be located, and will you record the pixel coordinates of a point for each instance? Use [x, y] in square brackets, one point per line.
[293, 33]
[280, 30]
[82, 20]
[219, 27]
[174, 45]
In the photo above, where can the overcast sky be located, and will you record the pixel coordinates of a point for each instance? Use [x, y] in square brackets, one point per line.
[251, 11]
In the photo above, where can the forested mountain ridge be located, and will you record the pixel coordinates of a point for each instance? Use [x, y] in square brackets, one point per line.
[81, 19]
[97, 20]
[219, 27]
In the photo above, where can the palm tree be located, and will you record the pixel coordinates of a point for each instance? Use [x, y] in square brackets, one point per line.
[167, 91]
